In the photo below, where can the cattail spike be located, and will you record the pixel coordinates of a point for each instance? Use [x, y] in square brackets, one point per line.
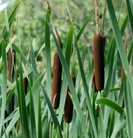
[56, 85]
[99, 44]
[68, 110]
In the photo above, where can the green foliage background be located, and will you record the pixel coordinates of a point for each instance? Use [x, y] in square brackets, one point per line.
[95, 114]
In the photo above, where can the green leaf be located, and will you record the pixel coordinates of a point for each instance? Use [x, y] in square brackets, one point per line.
[52, 111]
[48, 52]
[110, 59]
[39, 118]
[33, 61]
[11, 19]
[130, 52]
[88, 100]
[32, 115]
[119, 42]
[3, 86]
[84, 25]
[69, 45]
[22, 104]
[130, 13]
[113, 105]
[129, 107]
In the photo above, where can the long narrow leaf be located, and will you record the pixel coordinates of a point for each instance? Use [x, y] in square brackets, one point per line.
[119, 42]
[111, 104]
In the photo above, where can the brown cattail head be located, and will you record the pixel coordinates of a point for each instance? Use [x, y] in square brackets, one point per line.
[11, 63]
[56, 85]
[68, 110]
[99, 45]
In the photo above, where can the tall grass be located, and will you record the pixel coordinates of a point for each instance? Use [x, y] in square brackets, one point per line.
[94, 114]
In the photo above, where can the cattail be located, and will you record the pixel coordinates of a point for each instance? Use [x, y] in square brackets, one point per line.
[57, 73]
[99, 45]
[68, 110]
[56, 85]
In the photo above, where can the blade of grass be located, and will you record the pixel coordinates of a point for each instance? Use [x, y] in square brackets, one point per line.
[113, 105]
[130, 13]
[39, 118]
[110, 59]
[69, 45]
[93, 123]
[118, 121]
[84, 25]
[130, 53]
[120, 124]
[119, 42]
[32, 60]
[48, 52]
[17, 115]
[32, 115]
[22, 105]
[67, 57]
[102, 133]
[3, 86]
[52, 111]
[11, 19]
[129, 107]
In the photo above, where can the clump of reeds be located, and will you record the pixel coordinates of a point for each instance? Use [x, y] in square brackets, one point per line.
[57, 74]
[68, 109]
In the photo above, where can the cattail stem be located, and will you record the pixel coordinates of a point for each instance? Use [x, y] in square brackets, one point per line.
[96, 16]
[99, 44]
[103, 16]
[68, 110]
[58, 37]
